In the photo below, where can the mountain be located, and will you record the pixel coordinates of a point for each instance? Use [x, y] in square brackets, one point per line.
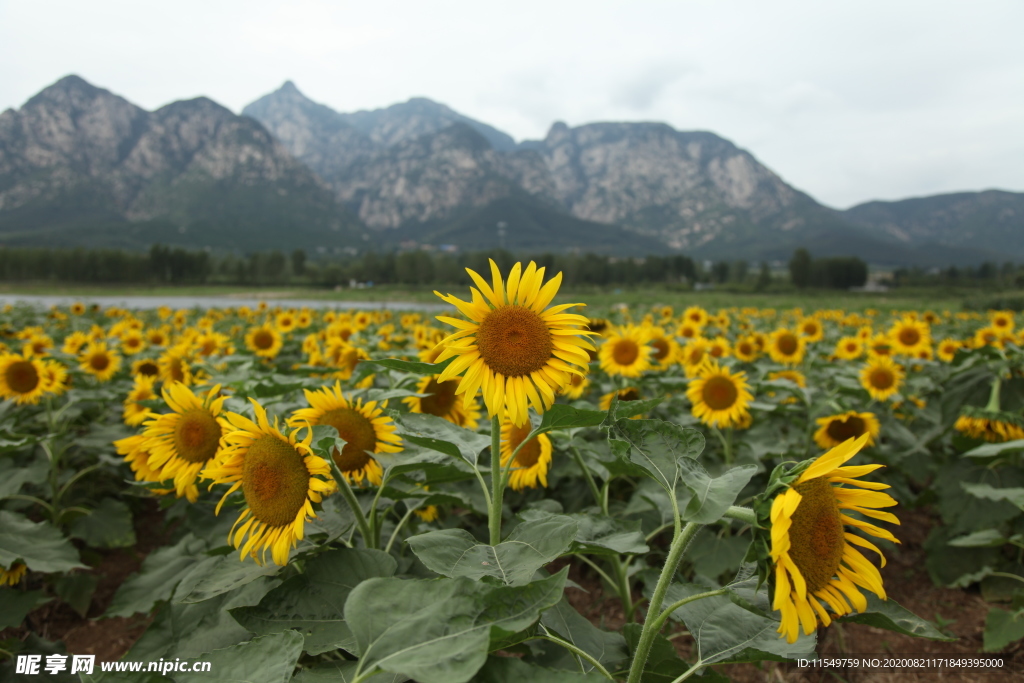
[960, 220]
[82, 166]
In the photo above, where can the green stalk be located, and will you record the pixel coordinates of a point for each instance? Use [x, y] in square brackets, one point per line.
[401, 523]
[594, 491]
[675, 555]
[741, 514]
[576, 651]
[993, 397]
[353, 502]
[497, 483]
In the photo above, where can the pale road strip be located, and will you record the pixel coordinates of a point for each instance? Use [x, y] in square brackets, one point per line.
[189, 302]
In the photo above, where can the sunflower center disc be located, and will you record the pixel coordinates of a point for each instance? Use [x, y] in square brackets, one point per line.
[99, 362]
[263, 340]
[358, 432]
[176, 369]
[850, 428]
[22, 376]
[661, 349]
[787, 344]
[625, 352]
[197, 435]
[514, 341]
[627, 395]
[909, 336]
[720, 393]
[816, 535]
[528, 454]
[441, 398]
[882, 379]
[275, 481]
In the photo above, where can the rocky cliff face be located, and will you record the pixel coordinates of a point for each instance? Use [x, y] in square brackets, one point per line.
[75, 153]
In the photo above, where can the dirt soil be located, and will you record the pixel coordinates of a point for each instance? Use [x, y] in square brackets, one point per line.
[905, 579]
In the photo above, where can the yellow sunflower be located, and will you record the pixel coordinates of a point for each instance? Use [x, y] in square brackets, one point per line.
[835, 429]
[991, 425]
[11, 576]
[664, 349]
[811, 329]
[719, 397]
[55, 377]
[533, 461]
[77, 308]
[22, 378]
[1001, 320]
[882, 377]
[278, 476]
[136, 454]
[695, 315]
[947, 349]
[514, 348]
[746, 349]
[364, 428]
[626, 352]
[181, 443]
[264, 341]
[849, 348]
[132, 342]
[812, 550]
[134, 413]
[577, 386]
[908, 336]
[692, 355]
[74, 342]
[175, 366]
[146, 367]
[787, 347]
[100, 362]
[441, 400]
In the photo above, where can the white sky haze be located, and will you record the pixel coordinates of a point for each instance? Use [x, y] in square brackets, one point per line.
[848, 101]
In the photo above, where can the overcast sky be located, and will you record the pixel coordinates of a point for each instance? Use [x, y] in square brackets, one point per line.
[848, 101]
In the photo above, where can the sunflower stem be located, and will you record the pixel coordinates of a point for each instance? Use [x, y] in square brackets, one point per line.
[667, 612]
[653, 626]
[576, 651]
[741, 514]
[353, 502]
[594, 491]
[993, 397]
[497, 482]
[401, 523]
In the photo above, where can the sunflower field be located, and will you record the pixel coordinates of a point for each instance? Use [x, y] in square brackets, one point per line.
[512, 490]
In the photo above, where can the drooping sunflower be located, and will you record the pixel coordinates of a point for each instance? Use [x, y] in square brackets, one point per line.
[181, 443]
[22, 378]
[514, 348]
[813, 553]
[835, 429]
[786, 347]
[720, 398]
[100, 362]
[264, 341]
[626, 352]
[882, 377]
[909, 335]
[365, 429]
[11, 576]
[279, 477]
[990, 424]
[534, 458]
[441, 400]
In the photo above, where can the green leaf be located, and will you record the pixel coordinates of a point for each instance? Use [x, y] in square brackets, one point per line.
[335, 518]
[342, 672]
[950, 566]
[441, 435]
[709, 498]
[726, 632]
[411, 366]
[600, 535]
[627, 409]
[15, 606]
[992, 449]
[160, 573]
[530, 546]
[438, 631]
[986, 538]
[13, 478]
[663, 663]
[314, 601]
[658, 446]
[109, 525]
[713, 555]
[564, 416]
[1011, 495]
[268, 659]
[1002, 628]
[607, 647]
[76, 590]
[38, 544]
[512, 670]
[890, 615]
[217, 575]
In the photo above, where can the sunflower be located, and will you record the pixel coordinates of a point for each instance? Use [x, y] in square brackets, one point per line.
[74, 342]
[695, 315]
[364, 428]
[719, 347]
[55, 377]
[908, 336]
[835, 429]
[533, 461]
[786, 347]
[882, 377]
[158, 336]
[38, 345]
[745, 349]
[264, 341]
[512, 346]
[22, 378]
[181, 443]
[136, 454]
[849, 348]
[77, 308]
[990, 424]
[880, 345]
[987, 336]
[687, 330]
[811, 329]
[135, 413]
[441, 400]
[11, 576]
[626, 351]
[146, 367]
[1001, 320]
[719, 397]
[278, 476]
[692, 355]
[813, 553]
[133, 342]
[577, 386]
[100, 362]
[286, 321]
[664, 349]
[175, 366]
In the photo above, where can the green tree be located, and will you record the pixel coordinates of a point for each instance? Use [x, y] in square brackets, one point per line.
[800, 268]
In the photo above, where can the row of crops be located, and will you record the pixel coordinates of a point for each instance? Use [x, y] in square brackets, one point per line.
[379, 496]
